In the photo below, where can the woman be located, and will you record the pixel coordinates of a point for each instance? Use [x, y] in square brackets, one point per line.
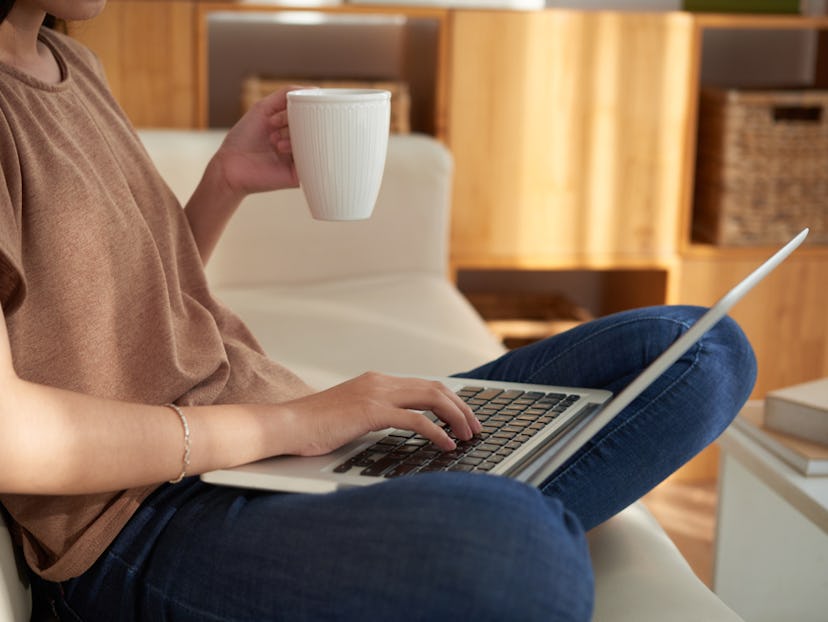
[119, 372]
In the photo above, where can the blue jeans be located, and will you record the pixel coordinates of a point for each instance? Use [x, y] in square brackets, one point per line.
[434, 546]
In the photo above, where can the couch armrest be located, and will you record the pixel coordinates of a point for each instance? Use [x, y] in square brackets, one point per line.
[641, 575]
[273, 239]
[15, 595]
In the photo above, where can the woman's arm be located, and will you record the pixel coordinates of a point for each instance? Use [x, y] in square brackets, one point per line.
[54, 441]
[254, 157]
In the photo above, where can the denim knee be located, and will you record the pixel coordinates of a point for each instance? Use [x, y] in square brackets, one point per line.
[724, 370]
[510, 552]
[729, 364]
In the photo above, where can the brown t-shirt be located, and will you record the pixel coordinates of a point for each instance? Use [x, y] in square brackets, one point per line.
[103, 288]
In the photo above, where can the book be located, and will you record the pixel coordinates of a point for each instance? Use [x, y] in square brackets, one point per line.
[807, 457]
[800, 410]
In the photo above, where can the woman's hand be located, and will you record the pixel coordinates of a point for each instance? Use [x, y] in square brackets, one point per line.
[323, 422]
[256, 154]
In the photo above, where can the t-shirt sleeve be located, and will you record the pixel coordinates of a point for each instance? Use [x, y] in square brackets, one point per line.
[12, 284]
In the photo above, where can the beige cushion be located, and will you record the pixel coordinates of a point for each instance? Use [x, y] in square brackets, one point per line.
[641, 575]
[273, 239]
[414, 323]
[15, 598]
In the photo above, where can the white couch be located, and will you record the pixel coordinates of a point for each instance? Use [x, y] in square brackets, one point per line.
[331, 300]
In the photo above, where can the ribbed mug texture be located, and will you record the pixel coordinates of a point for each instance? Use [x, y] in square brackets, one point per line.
[340, 140]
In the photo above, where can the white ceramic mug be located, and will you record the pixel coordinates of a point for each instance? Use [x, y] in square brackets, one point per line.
[340, 140]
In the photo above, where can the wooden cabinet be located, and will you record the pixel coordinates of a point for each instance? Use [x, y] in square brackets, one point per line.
[571, 136]
[148, 49]
[574, 136]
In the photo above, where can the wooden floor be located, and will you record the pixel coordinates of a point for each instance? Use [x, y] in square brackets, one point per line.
[687, 512]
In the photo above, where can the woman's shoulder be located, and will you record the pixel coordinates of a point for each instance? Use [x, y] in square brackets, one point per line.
[71, 51]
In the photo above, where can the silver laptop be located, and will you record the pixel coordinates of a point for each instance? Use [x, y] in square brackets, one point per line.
[529, 431]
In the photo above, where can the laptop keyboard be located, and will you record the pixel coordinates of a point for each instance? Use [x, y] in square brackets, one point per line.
[509, 418]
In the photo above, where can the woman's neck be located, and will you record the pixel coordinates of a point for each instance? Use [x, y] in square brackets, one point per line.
[21, 48]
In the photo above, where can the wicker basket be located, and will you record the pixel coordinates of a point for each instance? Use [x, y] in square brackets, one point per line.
[256, 87]
[762, 170]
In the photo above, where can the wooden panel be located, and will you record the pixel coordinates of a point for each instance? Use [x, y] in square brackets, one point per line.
[570, 133]
[147, 49]
[785, 317]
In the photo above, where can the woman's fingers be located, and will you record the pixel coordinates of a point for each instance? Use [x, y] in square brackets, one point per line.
[425, 427]
[471, 418]
[436, 397]
[374, 402]
[279, 120]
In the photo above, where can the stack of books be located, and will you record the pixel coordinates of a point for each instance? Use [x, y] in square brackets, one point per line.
[793, 424]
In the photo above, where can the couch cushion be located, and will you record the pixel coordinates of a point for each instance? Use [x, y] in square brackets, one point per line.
[273, 239]
[641, 575]
[15, 600]
[326, 332]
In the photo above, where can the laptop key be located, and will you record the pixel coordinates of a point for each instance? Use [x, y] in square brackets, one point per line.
[470, 461]
[430, 468]
[381, 466]
[478, 453]
[476, 401]
[402, 469]
[488, 394]
[416, 442]
[462, 467]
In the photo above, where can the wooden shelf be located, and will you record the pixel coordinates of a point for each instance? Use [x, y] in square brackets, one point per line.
[423, 58]
[574, 261]
[749, 253]
[760, 22]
